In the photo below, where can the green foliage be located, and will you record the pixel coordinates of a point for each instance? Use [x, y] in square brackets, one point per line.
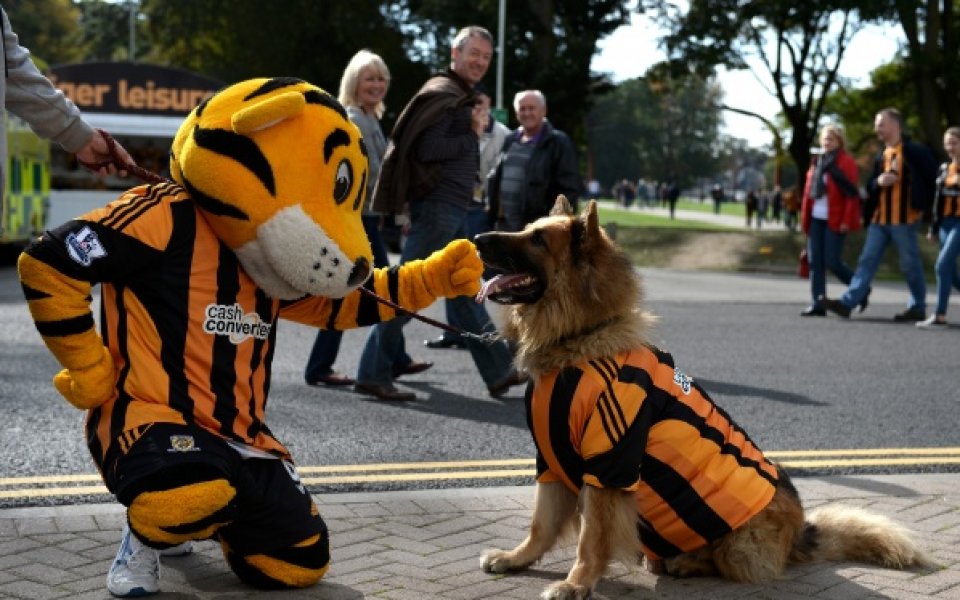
[657, 127]
[796, 48]
[49, 28]
[237, 39]
[548, 46]
[106, 31]
[855, 109]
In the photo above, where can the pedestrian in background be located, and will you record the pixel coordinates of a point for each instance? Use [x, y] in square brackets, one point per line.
[945, 225]
[429, 172]
[363, 86]
[830, 209]
[673, 196]
[776, 204]
[900, 190]
[751, 204]
[791, 209]
[538, 163]
[717, 194]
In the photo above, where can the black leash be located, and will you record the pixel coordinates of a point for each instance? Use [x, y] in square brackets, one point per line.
[151, 177]
[121, 164]
[485, 338]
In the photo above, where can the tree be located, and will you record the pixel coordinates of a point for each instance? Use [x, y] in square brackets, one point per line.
[857, 108]
[613, 130]
[798, 47]
[658, 127]
[932, 30]
[106, 31]
[549, 46]
[49, 28]
[232, 40]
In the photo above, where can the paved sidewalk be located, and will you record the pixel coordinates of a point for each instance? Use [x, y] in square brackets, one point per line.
[722, 219]
[426, 544]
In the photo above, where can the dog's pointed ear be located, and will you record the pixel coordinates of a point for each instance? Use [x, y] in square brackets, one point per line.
[591, 221]
[561, 207]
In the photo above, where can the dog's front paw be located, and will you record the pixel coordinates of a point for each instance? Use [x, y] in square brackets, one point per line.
[498, 561]
[564, 590]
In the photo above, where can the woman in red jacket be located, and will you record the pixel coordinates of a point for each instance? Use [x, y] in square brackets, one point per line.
[831, 208]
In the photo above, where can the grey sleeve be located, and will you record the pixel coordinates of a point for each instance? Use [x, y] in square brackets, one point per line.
[33, 98]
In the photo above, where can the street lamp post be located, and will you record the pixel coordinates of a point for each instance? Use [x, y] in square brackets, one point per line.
[501, 26]
[132, 34]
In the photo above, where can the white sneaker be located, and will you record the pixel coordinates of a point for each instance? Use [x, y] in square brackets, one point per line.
[178, 550]
[932, 323]
[136, 569]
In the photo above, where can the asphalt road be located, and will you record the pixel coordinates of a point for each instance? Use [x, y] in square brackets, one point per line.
[824, 395]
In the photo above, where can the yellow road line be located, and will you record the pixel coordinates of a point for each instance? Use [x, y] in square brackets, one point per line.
[459, 464]
[87, 490]
[498, 468]
[864, 452]
[421, 476]
[870, 462]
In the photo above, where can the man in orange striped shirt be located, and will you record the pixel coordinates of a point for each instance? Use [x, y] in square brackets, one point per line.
[900, 190]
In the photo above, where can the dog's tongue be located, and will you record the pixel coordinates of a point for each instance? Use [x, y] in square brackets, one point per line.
[492, 286]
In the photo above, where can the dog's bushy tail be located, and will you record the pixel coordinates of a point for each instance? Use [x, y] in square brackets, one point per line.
[844, 533]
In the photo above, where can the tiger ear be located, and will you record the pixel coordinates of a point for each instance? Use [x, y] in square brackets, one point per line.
[268, 112]
[561, 207]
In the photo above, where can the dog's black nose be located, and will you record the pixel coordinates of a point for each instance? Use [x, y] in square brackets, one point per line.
[481, 241]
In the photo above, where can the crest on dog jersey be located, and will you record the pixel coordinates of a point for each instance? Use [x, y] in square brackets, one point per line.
[682, 380]
[182, 443]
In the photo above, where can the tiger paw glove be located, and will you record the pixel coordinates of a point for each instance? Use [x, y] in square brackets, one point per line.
[90, 386]
[453, 271]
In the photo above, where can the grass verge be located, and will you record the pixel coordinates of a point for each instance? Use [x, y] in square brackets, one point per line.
[654, 241]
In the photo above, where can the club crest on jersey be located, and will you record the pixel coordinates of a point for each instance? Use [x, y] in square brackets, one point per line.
[682, 380]
[231, 321]
[84, 246]
[182, 443]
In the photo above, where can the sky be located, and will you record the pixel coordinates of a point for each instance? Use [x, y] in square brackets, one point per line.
[630, 50]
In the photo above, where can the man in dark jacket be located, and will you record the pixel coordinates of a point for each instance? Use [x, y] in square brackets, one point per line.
[538, 163]
[429, 172]
[900, 190]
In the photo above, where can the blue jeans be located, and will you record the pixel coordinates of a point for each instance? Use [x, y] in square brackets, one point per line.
[878, 238]
[478, 221]
[825, 252]
[948, 276]
[326, 346]
[434, 224]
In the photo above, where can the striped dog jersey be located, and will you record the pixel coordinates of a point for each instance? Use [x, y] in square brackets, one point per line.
[635, 422]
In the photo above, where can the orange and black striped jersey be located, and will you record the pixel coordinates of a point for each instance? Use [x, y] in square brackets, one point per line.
[894, 207]
[947, 202]
[635, 422]
[191, 334]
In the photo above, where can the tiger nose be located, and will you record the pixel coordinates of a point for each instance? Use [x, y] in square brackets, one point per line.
[361, 270]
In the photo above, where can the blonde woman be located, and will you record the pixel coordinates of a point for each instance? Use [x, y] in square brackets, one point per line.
[830, 209]
[363, 86]
[946, 227]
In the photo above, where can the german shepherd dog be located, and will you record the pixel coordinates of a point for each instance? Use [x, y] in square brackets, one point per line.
[653, 467]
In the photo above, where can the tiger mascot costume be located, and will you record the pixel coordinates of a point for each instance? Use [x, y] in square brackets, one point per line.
[262, 223]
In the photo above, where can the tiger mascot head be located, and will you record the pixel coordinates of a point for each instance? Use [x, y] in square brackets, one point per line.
[279, 172]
